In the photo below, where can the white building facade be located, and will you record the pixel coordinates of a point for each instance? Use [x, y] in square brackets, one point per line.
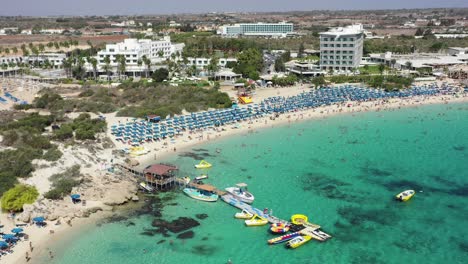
[341, 48]
[204, 62]
[134, 50]
[282, 29]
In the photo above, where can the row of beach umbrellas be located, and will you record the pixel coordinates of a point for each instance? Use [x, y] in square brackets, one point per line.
[138, 130]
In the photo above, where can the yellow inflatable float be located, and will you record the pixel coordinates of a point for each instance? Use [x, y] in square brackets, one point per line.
[299, 219]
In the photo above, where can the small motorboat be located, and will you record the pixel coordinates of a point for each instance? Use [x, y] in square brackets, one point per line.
[186, 179]
[240, 192]
[146, 187]
[201, 177]
[279, 228]
[201, 195]
[203, 165]
[243, 215]
[298, 241]
[405, 196]
[256, 221]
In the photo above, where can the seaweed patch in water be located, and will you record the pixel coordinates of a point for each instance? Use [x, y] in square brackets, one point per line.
[186, 235]
[375, 171]
[459, 191]
[192, 155]
[200, 150]
[403, 184]
[204, 250]
[130, 224]
[325, 186]
[459, 148]
[201, 216]
[463, 246]
[358, 216]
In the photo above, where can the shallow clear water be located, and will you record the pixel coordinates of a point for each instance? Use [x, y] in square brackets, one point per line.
[342, 172]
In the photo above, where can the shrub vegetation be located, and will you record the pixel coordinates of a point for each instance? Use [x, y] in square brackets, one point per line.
[16, 197]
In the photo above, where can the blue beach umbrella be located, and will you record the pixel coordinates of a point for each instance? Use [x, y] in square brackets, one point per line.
[8, 237]
[17, 230]
[3, 244]
[75, 196]
[39, 219]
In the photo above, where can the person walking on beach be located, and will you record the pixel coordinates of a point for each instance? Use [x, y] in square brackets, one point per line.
[31, 248]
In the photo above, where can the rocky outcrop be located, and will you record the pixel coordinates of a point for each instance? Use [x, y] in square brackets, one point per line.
[100, 193]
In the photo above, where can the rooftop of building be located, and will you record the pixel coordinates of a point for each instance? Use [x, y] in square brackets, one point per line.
[348, 30]
[459, 48]
[159, 169]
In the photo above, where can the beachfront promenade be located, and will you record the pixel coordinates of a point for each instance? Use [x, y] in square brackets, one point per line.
[139, 131]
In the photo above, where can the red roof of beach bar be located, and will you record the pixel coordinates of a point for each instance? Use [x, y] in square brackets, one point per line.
[159, 169]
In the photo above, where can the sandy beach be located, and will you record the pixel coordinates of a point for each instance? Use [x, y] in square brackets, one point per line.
[158, 150]
[42, 237]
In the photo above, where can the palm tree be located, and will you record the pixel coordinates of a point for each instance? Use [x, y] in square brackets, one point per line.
[93, 62]
[213, 65]
[67, 65]
[107, 67]
[15, 50]
[12, 64]
[409, 65]
[4, 68]
[381, 68]
[122, 64]
[147, 62]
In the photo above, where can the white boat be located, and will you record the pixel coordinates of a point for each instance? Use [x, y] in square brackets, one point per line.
[201, 195]
[201, 177]
[240, 192]
[146, 187]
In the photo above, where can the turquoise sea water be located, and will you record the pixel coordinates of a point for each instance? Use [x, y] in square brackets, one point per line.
[342, 172]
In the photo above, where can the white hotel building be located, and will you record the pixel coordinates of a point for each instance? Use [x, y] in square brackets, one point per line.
[341, 48]
[134, 50]
[201, 63]
[281, 29]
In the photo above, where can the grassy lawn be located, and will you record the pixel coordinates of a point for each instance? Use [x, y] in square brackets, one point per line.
[371, 69]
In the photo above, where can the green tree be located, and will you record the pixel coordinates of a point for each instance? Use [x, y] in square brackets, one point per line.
[15, 198]
[318, 81]
[107, 66]
[300, 53]
[279, 65]
[409, 65]
[213, 66]
[121, 64]
[93, 61]
[147, 63]
[249, 63]
[160, 75]
[381, 68]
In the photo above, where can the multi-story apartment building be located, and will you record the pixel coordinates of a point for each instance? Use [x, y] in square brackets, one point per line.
[282, 29]
[341, 48]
